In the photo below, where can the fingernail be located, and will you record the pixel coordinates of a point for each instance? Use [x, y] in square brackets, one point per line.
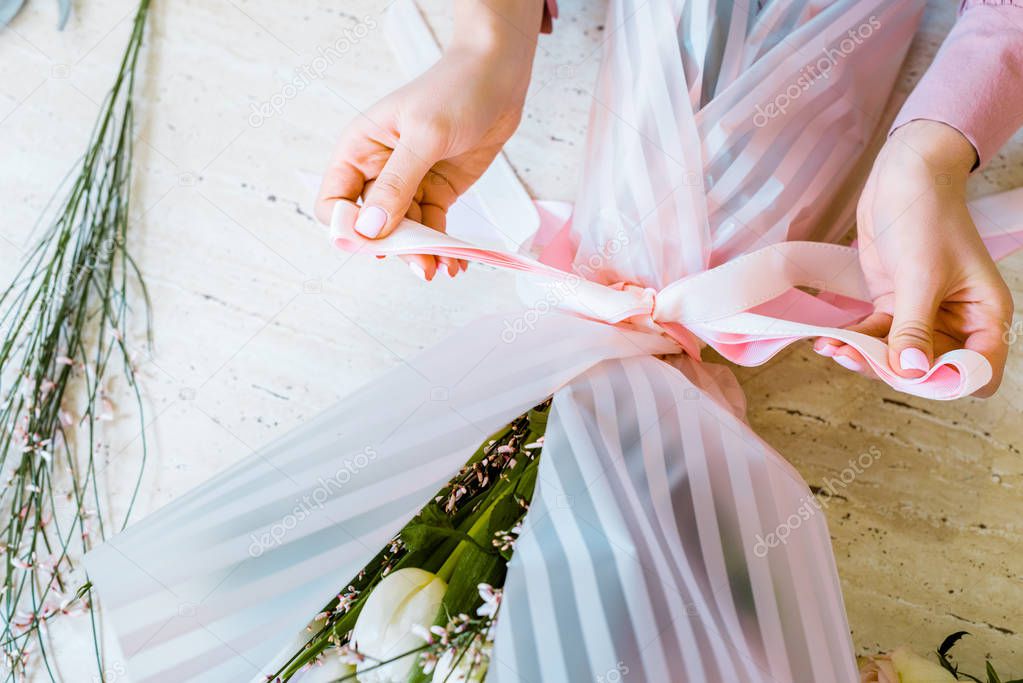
[848, 363]
[418, 271]
[828, 350]
[464, 265]
[452, 269]
[335, 221]
[370, 221]
[914, 359]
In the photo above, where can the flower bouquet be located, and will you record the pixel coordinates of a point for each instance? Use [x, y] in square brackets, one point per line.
[425, 608]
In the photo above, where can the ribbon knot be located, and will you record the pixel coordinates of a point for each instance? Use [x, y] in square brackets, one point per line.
[690, 344]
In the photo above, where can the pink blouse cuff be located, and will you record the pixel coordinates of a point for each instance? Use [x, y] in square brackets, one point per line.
[975, 83]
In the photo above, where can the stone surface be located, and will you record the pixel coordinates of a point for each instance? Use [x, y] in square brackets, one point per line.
[258, 324]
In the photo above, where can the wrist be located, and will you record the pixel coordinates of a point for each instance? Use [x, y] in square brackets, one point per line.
[507, 29]
[933, 148]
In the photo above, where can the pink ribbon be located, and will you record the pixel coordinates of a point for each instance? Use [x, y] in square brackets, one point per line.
[748, 309]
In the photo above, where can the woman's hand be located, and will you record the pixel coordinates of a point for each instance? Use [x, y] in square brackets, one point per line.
[416, 150]
[934, 285]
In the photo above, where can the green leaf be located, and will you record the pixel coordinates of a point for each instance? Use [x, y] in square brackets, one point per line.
[992, 675]
[538, 420]
[426, 536]
[949, 641]
[506, 512]
[432, 514]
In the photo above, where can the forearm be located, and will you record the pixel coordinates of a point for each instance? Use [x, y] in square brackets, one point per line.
[975, 84]
[508, 27]
[497, 38]
[929, 152]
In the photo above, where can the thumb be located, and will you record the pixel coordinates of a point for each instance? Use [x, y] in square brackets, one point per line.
[393, 190]
[910, 341]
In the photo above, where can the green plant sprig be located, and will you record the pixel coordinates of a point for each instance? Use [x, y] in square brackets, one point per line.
[453, 532]
[64, 320]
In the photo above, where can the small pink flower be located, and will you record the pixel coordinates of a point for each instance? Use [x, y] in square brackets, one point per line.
[107, 409]
[491, 600]
[349, 655]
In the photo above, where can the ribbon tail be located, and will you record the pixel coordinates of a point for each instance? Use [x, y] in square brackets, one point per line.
[661, 539]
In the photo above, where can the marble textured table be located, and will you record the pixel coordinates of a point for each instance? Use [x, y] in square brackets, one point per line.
[258, 324]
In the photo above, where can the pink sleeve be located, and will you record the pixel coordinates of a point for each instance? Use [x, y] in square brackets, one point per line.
[550, 13]
[975, 83]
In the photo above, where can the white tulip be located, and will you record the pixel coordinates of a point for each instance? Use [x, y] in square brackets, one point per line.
[403, 599]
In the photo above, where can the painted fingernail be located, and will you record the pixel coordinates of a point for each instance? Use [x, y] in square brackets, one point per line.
[914, 359]
[828, 350]
[335, 221]
[848, 363]
[370, 221]
[452, 269]
[418, 270]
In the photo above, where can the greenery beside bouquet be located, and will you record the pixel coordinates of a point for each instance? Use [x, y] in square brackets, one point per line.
[903, 666]
[425, 608]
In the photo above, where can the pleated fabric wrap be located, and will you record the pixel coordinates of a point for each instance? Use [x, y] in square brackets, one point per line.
[666, 541]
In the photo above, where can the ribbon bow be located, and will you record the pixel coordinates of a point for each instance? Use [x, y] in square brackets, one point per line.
[747, 309]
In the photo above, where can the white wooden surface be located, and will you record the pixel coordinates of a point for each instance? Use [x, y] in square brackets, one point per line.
[259, 325]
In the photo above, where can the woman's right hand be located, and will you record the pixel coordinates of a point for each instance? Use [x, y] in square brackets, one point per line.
[934, 284]
[416, 150]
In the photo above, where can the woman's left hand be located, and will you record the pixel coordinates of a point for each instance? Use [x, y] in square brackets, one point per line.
[934, 285]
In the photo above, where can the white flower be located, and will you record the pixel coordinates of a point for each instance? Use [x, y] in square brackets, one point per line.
[491, 600]
[384, 631]
[461, 666]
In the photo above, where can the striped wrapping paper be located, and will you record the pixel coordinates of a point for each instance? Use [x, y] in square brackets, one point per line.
[667, 541]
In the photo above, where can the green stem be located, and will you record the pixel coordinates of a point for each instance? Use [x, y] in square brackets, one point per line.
[478, 532]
